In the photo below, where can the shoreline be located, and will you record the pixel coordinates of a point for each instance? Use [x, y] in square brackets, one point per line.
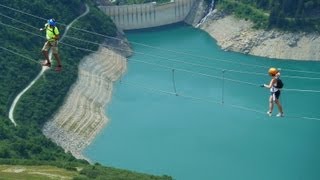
[82, 116]
[238, 35]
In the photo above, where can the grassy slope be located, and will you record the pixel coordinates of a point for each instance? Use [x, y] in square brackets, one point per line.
[35, 172]
[245, 11]
[308, 21]
[44, 172]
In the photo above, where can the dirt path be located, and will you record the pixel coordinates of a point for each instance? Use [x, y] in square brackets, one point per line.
[44, 68]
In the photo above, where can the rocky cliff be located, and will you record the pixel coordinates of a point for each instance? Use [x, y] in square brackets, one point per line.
[238, 35]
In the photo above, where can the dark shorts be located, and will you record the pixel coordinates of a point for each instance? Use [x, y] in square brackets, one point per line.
[276, 94]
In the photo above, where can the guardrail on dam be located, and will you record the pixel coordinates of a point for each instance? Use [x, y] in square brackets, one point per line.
[148, 15]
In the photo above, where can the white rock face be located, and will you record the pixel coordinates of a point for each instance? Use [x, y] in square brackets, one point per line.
[234, 34]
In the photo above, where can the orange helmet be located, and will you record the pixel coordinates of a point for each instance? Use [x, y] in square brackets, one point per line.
[273, 71]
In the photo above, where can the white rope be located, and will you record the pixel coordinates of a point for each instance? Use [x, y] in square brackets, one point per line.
[13, 19]
[85, 49]
[301, 77]
[186, 96]
[302, 90]
[13, 9]
[188, 63]
[12, 108]
[183, 70]
[244, 108]
[148, 88]
[19, 29]
[193, 72]
[168, 59]
[168, 50]
[32, 60]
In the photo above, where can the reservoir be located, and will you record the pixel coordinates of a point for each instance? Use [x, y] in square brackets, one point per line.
[190, 110]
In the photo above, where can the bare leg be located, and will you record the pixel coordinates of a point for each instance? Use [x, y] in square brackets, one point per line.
[270, 104]
[279, 106]
[56, 56]
[46, 56]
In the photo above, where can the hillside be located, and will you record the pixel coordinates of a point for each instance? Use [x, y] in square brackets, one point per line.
[290, 15]
[20, 52]
[234, 34]
[35, 172]
[77, 172]
[251, 27]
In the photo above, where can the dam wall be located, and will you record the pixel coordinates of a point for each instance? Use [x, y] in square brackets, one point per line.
[139, 16]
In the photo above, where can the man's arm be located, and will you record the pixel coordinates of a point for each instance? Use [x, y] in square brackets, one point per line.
[45, 27]
[57, 37]
[57, 33]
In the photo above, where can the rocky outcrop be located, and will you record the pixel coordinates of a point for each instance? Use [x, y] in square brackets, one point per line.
[196, 13]
[82, 116]
[238, 35]
[119, 44]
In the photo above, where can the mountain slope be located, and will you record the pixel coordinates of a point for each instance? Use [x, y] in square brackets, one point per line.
[19, 64]
[291, 15]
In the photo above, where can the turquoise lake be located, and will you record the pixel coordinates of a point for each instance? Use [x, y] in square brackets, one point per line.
[193, 136]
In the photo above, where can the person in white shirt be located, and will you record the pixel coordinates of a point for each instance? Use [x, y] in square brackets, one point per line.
[275, 92]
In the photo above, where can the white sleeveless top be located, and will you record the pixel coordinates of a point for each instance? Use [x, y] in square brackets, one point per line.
[273, 88]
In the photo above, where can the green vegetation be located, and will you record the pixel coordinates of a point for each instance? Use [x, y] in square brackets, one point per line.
[291, 15]
[99, 172]
[123, 2]
[78, 172]
[245, 11]
[25, 144]
[35, 172]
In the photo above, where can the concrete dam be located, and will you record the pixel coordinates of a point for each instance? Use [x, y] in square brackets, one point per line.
[138, 16]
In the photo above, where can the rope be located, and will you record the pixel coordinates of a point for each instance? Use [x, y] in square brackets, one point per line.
[200, 99]
[216, 102]
[188, 63]
[11, 110]
[162, 49]
[302, 90]
[168, 59]
[197, 73]
[13, 19]
[174, 83]
[165, 58]
[222, 88]
[188, 97]
[301, 77]
[22, 12]
[163, 66]
[32, 60]
[19, 29]
[166, 92]
[149, 89]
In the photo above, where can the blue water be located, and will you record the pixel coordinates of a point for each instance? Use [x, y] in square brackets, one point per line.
[189, 138]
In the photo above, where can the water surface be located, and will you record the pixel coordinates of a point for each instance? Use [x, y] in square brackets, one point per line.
[159, 133]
